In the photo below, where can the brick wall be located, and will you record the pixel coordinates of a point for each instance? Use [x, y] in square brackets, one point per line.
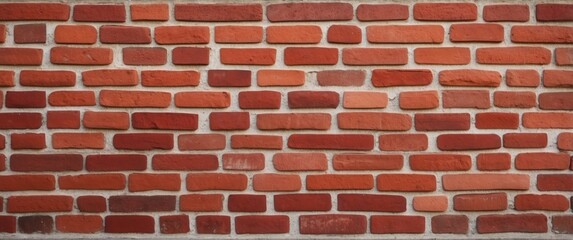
[287, 119]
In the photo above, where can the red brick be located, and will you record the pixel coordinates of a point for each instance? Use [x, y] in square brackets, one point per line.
[7, 224]
[506, 13]
[522, 78]
[28, 141]
[149, 12]
[344, 34]
[139, 182]
[46, 162]
[78, 141]
[99, 13]
[339, 182]
[190, 56]
[295, 121]
[445, 11]
[553, 12]
[313, 99]
[374, 56]
[6, 78]
[466, 99]
[185, 162]
[450, 224]
[30, 33]
[485, 181]
[92, 182]
[25, 99]
[302, 202]
[216, 181]
[21, 56]
[513, 55]
[164, 121]
[364, 100]
[294, 34]
[487, 32]
[310, 56]
[106, 120]
[547, 120]
[442, 55]
[139, 56]
[39, 203]
[332, 224]
[556, 101]
[440, 162]
[555, 182]
[129, 224]
[139, 203]
[124, 34]
[403, 142]
[557, 78]
[419, 100]
[229, 78]
[201, 202]
[253, 141]
[442, 121]
[405, 34]
[565, 141]
[542, 161]
[268, 78]
[351, 162]
[162, 78]
[526, 223]
[497, 120]
[331, 141]
[220, 121]
[271, 224]
[81, 56]
[374, 121]
[34, 11]
[259, 100]
[341, 77]
[182, 35]
[244, 161]
[209, 99]
[72, 98]
[124, 98]
[480, 202]
[437, 203]
[300, 161]
[38, 182]
[42, 78]
[174, 224]
[525, 140]
[92, 204]
[75, 34]
[143, 141]
[248, 56]
[13, 120]
[453, 142]
[247, 203]
[564, 56]
[543, 202]
[322, 11]
[36, 224]
[211, 224]
[199, 12]
[493, 161]
[371, 203]
[201, 141]
[397, 224]
[470, 78]
[272, 182]
[542, 34]
[238, 34]
[116, 162]
[2, 33]
[382, 12]
[514, 99]
[406, 182]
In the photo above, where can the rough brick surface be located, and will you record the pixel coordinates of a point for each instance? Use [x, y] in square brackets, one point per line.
[286, 119]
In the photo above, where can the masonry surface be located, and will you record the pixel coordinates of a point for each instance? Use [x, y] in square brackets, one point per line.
[283, 119]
